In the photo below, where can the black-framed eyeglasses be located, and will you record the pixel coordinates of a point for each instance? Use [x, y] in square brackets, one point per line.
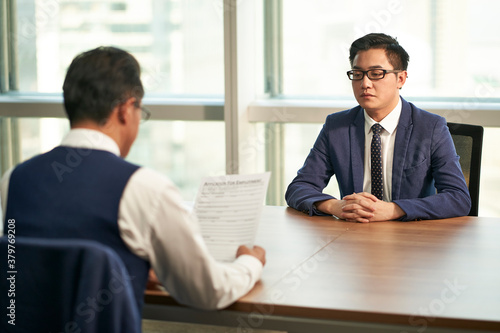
[373, 74]
[145, 114]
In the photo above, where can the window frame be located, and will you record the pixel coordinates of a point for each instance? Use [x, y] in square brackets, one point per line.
[239, 108]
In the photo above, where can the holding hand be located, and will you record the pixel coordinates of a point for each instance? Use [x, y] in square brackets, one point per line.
[257, 252]
[153, 282]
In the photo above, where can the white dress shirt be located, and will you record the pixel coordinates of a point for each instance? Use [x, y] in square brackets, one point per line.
[387, 137]
[156, 226]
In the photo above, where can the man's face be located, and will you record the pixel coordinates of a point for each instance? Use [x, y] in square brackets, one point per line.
[377, 97]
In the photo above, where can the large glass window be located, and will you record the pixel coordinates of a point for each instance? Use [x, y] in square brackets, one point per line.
[185, 151]
[178, 43]
[38, 135]
[169, 147]
[299, 139]
[452, 45]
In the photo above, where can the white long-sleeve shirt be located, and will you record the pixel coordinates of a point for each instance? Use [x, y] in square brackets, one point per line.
[388, 139]
[156, 226]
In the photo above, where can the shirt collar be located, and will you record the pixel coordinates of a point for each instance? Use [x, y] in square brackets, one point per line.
[389, 123]
[90, 139]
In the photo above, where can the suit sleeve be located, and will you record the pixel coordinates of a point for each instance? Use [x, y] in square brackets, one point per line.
[452, 198]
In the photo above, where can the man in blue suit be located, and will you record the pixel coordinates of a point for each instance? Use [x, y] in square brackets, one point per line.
[420, 174]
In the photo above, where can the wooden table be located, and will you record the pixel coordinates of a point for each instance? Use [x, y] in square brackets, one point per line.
[324, 274]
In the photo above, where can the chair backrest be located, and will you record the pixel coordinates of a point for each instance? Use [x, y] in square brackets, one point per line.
[468, 141]
[65, 286]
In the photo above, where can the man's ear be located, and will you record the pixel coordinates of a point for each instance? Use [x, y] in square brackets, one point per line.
[125, 110]
[402, 79]
[120, 114]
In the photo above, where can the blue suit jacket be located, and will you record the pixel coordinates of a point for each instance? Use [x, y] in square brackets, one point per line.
[425, 160]
[63, 283]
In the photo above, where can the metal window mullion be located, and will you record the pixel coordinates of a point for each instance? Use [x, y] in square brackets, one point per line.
[10, 143]
[12, 37]
[4, 58]
[273, 73]
[231, 86]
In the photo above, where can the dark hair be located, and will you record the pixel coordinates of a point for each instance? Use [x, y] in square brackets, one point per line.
[396, 55]
[97, 81]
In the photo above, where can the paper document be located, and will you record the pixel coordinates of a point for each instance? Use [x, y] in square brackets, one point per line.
[228, 209]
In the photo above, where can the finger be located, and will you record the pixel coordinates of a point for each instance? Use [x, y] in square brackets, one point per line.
[367, 205]
[260, 254]
[259, 249]
[358, 207]
[357, 215]
[353, 196]
[362, 201]
[368, 196]
[361, 196]
[242, 249]
[358, 220]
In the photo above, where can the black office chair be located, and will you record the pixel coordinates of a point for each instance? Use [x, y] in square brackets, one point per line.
[468, 141]
[65, 286]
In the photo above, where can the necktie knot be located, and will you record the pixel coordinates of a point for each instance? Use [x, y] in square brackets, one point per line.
[377, 128]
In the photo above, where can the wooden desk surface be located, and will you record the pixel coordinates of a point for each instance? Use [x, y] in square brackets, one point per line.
[440, 273]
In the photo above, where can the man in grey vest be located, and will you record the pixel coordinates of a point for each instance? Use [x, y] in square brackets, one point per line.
[84, 189]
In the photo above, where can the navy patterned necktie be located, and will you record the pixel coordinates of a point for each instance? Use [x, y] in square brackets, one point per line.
[376, 172]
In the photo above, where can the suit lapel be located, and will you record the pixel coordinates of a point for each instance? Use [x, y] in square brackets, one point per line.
[403, 134]
[357, 134]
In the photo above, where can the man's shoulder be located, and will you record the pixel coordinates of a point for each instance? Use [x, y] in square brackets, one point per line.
[344, 117]
[419, 112]
[149, 187]
[421, 117]
[149, 179]
[62, 161]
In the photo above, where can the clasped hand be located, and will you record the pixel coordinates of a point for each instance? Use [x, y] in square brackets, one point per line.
[365, 207]
[361, 207]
